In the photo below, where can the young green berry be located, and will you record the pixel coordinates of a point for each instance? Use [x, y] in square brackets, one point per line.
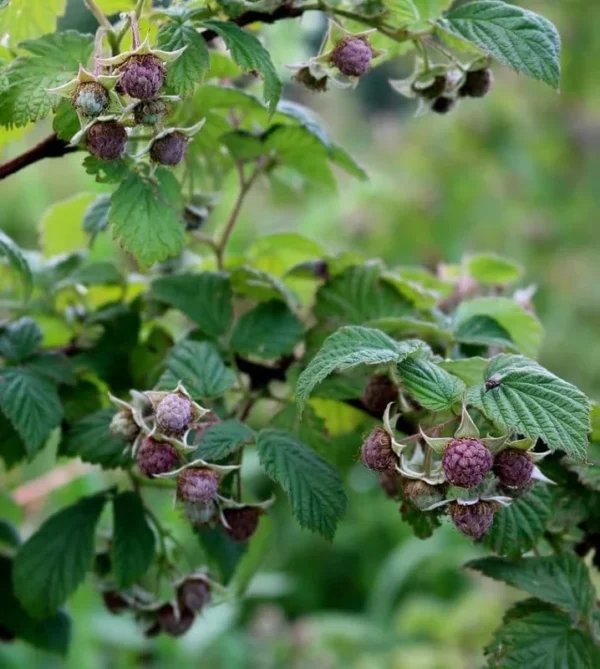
[477, 84]
[380, 391]
[193, 594]
[156, 457]
[352, 56]
[174, 414]
[443, 105]
[474, 520]
[91, 99]
[513, 468]
[198, 484]
[242, 523]
[150, 112]
[199, 514]
[175, 624]
[169, 149]
[122, 426]
[308, 80]
[142, 77]
[377, 453]
[466, 462]
[421, 494]
[106, 140]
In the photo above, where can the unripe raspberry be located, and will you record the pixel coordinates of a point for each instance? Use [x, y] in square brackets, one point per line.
[193, 594]
[513, 468]
[466, 462]
[377, 453]
[122, 426]
[243, 523]
[421, 494]
[150, 112]
[474, 520]
[156, 457]
[107, 140]
[380, 391]
[352, 56]
[477, 83]
[434, 89]
[306, 78]
[170, 149]
[443, 105]
[114, 602]
[142, 77]
[173, 624]
[198, 484]
[199, 514]
[174, 414]
[91, 99]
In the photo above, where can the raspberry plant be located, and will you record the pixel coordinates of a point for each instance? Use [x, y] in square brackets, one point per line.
[201, 358]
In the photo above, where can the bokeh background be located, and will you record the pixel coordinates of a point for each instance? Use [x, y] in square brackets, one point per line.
[516, 173]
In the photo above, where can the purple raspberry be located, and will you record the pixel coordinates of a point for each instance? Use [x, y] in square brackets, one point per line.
[122, 426]
[380, 391]
[142, 77]
[91, 99]
[377, 453]
[421, 494]
[434, 90]
[478, 83]
[107, 140]
[150, 112]
[466, 462]
[390, 483]
[243, 522]
[352, 56]
[170, 149]
[474, 520]
[193, 594]
[156, 457]
[513, 468]
[172, 623]
[198, 484]
[174, 414]
[443, 105]
[114, 602]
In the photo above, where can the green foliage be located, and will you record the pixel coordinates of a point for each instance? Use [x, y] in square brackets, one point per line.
[223, 439]
[15, 258]
[434, 388]
[191, 67]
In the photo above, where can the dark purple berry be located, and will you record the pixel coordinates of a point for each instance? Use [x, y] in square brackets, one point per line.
[377, 453]
[193, 594]
[114, 602]
[170, 149]
[107, 140]
[352, 56]
[91, 99]
[156, 457]
[477, 84]
[380, 391]
[197, 484]
[243, 523]
[474, 520]
[466, 462]
[173, 624]
[150, 112]
[122, 426]
[142, 77]
[513, 468]
[434, 89]
[174, 414]
[443, 105]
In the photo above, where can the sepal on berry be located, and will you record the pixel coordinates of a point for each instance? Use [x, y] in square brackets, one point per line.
[163, 154]
[83, 79]
[144, 49]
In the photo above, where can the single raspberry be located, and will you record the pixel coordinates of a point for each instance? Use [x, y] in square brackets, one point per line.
[478, 83]
[443, 105]
[466, 462]
[150, 112]
[122, 426]
[114, 602]
[243, 523]
[173, 624]
[352, 56]
[174, 414]
[198, 484]
[377, 453]
[390, 483]
[156, 457]
[513, 468]
[305, 77]
[421, 494]
[474, 520]
[434, 90]
[170, 149]
[142, 77]
[107, 140]
[193, 594]
[380, 391]
[91, 99]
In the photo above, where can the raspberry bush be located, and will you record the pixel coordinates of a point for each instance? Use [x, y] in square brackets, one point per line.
[176, 364]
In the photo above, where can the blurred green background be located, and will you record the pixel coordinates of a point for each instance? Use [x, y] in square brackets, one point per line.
[516, 173]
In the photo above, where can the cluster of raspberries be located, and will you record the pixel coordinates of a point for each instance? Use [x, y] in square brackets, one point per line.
[476, 84]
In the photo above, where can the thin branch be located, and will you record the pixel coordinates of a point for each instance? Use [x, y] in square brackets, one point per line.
[98, 13]
[51, 147]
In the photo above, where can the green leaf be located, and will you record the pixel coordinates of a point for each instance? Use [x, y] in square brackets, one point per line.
[314, 487]
[261, 286]
[348, 347]
[221, 440]
[269, 330]
[66, 122]
[13, 449]
[189, 69]
[90, 439]
[470, 370]
[516, 37]
[20, 340]
[432, 387]
[199, 367]
[542, 640]
[250, 54]
[146, 216]
[95, 218]
[222, 551]
[53, 562]
[53, 60]
[422, 524]
[562, 580]
[531, 401]
[18, 263]
[133, 541]
[483, 331]
[492, 270]
[517, 528]
[523, 327]
[25, 19]
[111, 172]
[205, 298]
[400, 327]
[8, 534]
[587, 472]
[31, 403]
[56, 366]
